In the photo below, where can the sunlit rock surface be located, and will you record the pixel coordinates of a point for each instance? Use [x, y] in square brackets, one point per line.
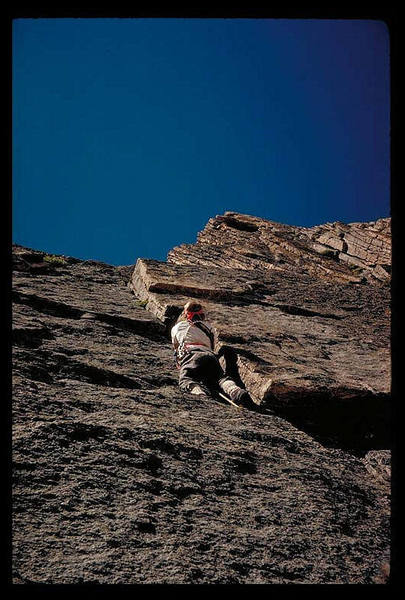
[118, 477]
[305, 328]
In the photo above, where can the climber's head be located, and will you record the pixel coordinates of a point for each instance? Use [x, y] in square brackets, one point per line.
[193, 311]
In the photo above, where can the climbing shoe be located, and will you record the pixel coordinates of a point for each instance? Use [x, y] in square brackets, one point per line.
[235, 393]
[199, 390]
[247, 402]
[238, 395]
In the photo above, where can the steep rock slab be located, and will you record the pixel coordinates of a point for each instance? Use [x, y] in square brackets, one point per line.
[307, 345]
[120, 478]
[300, 341]
[163, 286]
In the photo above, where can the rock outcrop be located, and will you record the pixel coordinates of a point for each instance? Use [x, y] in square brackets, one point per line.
[121, 478]
[300, 322]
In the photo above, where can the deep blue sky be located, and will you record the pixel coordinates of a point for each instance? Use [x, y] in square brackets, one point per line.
[129, 134]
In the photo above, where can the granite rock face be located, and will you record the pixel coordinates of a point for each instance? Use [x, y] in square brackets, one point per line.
[118, 477]
[304, 327]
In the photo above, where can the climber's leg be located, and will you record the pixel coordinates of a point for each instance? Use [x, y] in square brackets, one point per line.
[192, 373]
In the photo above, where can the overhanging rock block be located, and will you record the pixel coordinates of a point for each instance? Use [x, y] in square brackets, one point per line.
[166, 287]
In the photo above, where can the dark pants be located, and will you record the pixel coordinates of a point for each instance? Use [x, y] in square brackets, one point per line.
[201, 366]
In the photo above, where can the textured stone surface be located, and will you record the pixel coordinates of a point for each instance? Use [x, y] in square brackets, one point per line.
[118, 477]
[303, 332]
[326, 251]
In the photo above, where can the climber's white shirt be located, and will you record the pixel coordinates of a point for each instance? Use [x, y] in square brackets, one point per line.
[186, 333]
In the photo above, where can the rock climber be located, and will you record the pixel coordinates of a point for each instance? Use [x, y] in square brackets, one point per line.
[193, 340]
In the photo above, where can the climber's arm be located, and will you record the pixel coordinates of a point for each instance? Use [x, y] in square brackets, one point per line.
[175, 345]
